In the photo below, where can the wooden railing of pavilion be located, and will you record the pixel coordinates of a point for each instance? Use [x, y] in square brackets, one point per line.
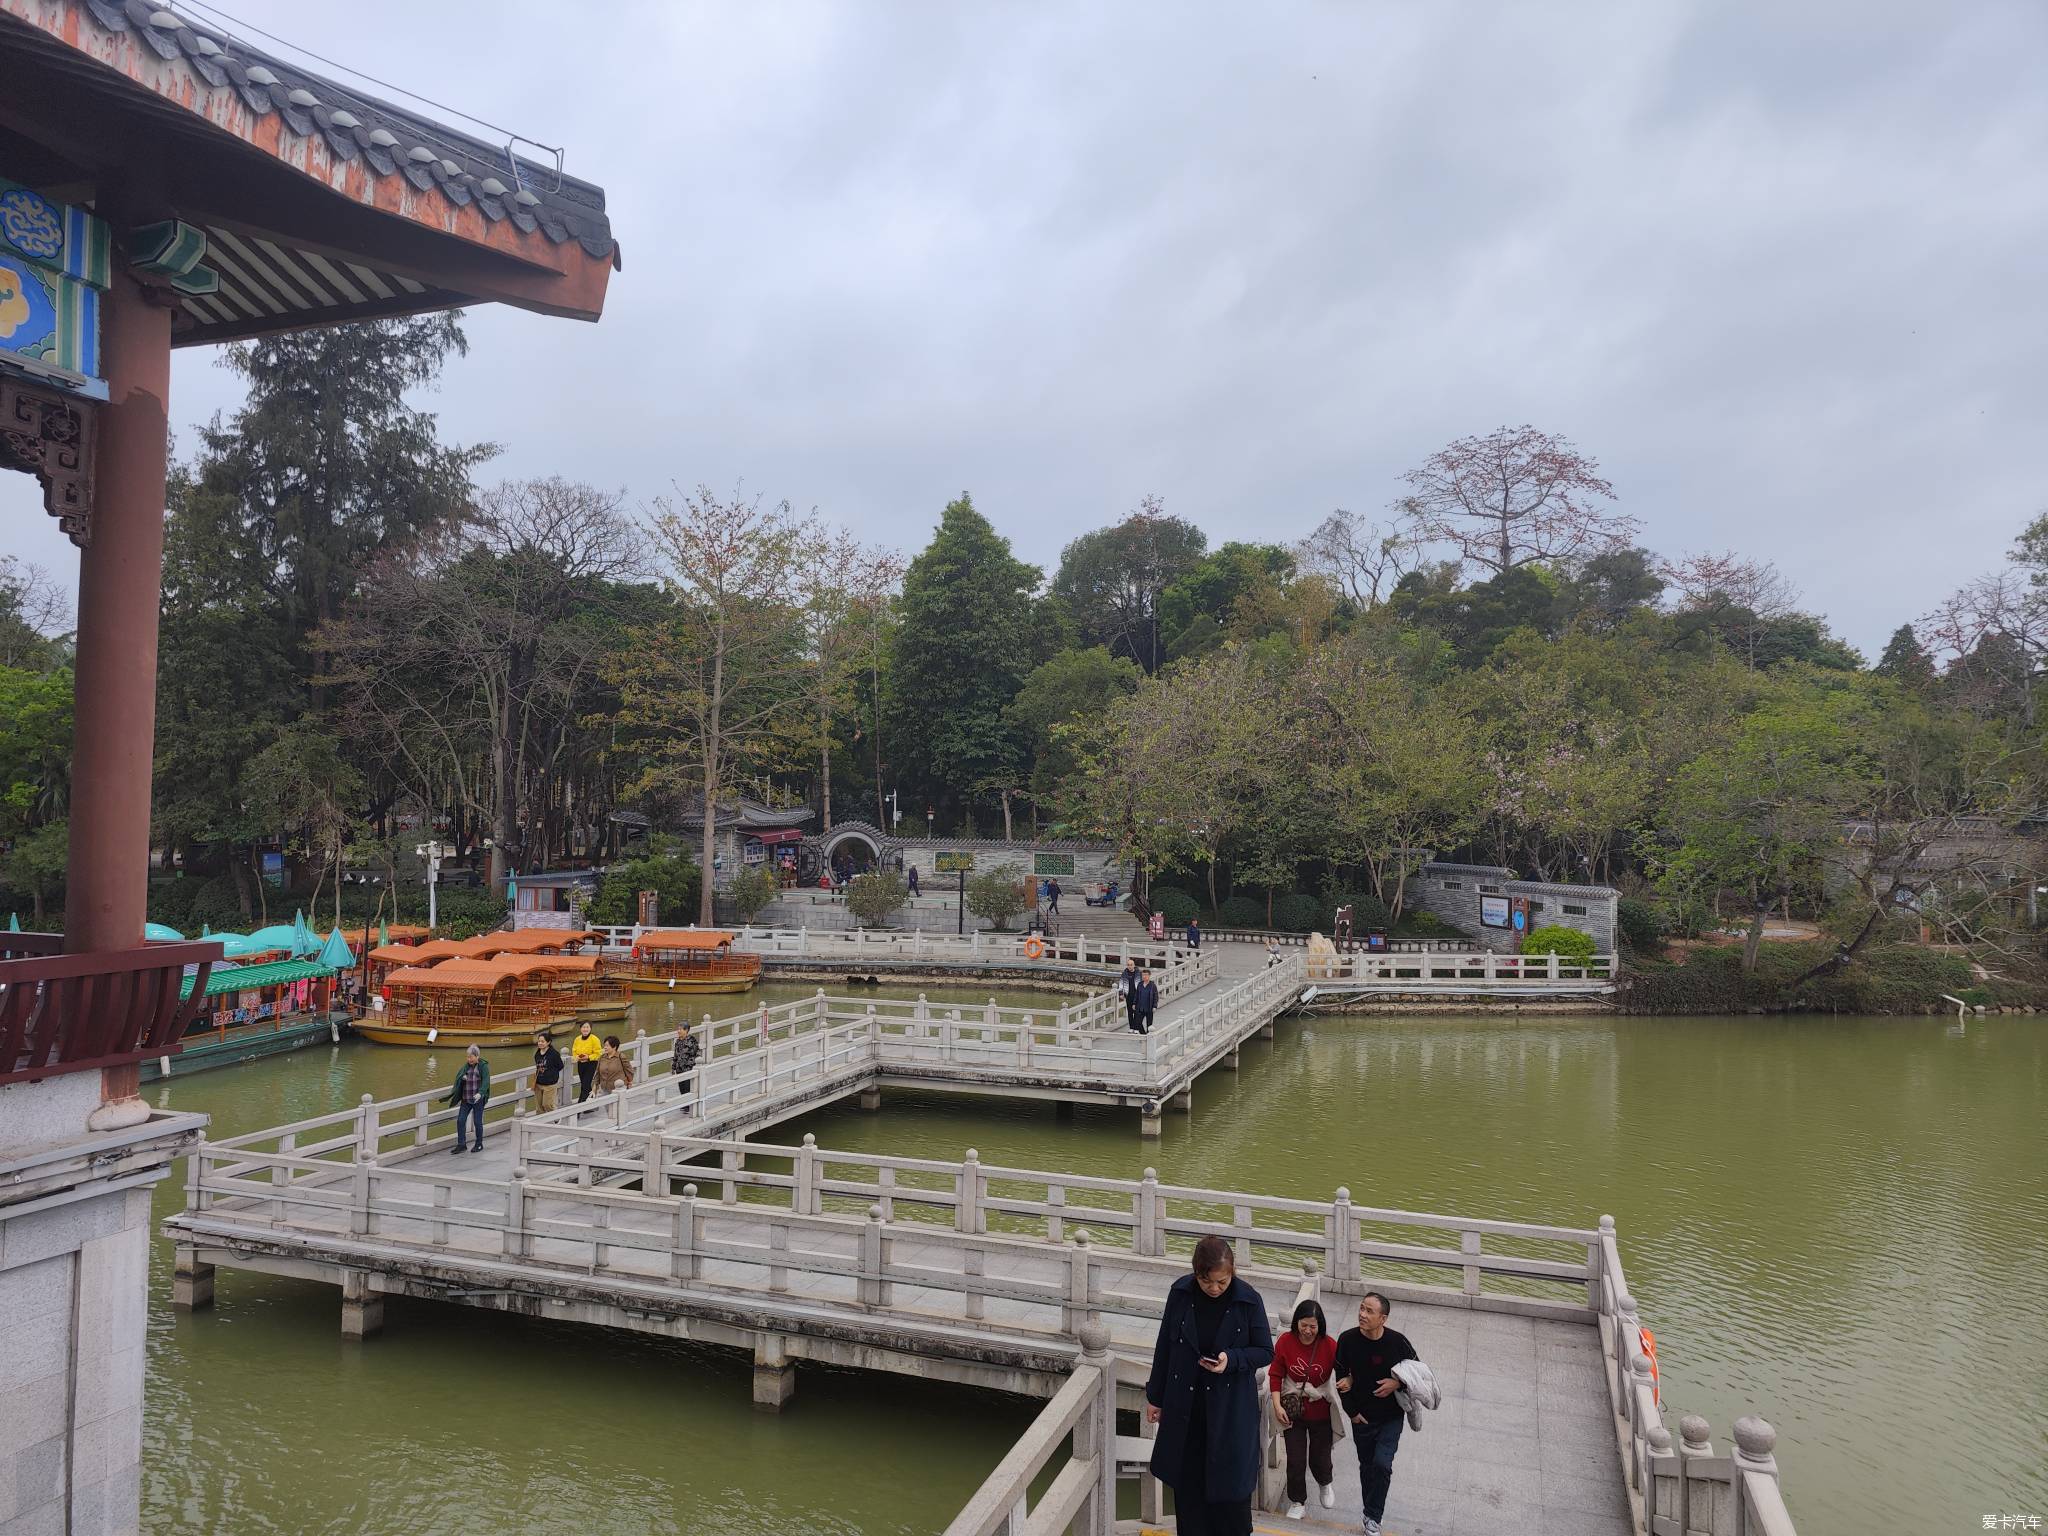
[63, 1013]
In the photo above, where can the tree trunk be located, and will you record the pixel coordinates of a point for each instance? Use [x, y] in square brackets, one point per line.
[1754, 942]
[825, 768]
[1007, 834]
[1212, 882]
[504, 812]
[709, 845]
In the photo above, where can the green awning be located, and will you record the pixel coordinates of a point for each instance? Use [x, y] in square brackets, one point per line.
[249, 977]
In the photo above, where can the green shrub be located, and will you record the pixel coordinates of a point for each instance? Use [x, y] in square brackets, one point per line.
[1555, 939]
[1638, 923]
[671, 876]
[1242, 912]
[999, 895]
[1162, 892]
[752, 889]
[1174, 905]
[873, 896]
[1884, 978]
[1299, 912]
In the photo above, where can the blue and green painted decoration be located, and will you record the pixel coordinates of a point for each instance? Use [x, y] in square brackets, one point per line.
[55, 262]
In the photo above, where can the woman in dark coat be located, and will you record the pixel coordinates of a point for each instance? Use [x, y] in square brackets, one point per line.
[1214, 1347]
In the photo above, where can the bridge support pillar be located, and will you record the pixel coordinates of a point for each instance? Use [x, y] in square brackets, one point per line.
[1269, 1029]
[1229, 1063]
[191, 1282]
[1149, 1120]
[871, 1098]
[362, 1309]
[774, 1375]
[1183, 1103]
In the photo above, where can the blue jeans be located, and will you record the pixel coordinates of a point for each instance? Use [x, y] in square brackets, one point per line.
[468, 1112]
[1376, 1446]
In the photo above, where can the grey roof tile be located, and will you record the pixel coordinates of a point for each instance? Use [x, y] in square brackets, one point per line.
[376, 132]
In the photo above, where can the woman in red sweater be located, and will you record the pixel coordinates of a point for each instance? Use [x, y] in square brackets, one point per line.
[1303, 1358]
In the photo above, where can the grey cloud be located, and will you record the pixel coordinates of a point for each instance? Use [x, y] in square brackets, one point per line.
[1777, 266]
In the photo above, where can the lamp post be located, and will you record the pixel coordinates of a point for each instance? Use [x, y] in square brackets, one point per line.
[431, 852]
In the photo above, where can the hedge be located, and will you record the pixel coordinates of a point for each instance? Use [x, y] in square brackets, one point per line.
[1175, 906]
[1242, 912]
[1638, 923]
[1885, 978]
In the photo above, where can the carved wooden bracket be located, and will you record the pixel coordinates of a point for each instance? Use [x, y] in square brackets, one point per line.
[49, 434]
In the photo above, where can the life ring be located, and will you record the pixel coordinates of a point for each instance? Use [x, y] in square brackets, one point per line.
[1034, 949]
[1649, 1342]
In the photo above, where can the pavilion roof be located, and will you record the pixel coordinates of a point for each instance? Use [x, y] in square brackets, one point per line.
[318, 202]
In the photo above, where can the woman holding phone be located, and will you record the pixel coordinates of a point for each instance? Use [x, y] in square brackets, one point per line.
[1214, 1346]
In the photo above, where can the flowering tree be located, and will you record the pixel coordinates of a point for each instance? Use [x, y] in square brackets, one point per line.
[1515, 497]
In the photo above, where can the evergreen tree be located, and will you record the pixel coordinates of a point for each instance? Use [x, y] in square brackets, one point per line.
[1905, 660]
[962, 649]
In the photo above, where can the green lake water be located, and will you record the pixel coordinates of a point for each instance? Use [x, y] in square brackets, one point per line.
[1840, 1224]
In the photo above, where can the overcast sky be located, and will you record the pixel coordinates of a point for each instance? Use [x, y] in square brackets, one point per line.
[1779, 267]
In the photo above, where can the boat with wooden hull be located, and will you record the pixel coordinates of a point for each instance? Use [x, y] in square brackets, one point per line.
[668, 961]
[501, 1001]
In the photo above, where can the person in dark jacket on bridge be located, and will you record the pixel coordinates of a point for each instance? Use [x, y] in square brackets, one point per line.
[684, 1062]
[1147, 1000]
[470, 1095]
[547, 1073]
[1207, 1368]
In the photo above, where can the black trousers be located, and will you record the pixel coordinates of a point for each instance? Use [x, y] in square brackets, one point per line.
[1308, 1450]
[586, 1075]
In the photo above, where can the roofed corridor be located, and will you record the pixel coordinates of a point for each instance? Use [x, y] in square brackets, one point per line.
[626, 1213]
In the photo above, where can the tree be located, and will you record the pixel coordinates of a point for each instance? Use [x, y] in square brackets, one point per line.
[36, 862]
[326, 466]
[873, 896]
[1363, 559]
[959, 658]
[33, 614]
[1513, 498]
[1759, 811]
[304, 782]
[1199, 611]
[1111, 579]
[1073, 687]
[844, 589]
[997, 895]
[1905, 661]
[1738, 598]
[486, 640]
[718, 679]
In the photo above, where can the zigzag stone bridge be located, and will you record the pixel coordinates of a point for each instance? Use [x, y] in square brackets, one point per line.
[628, 1213]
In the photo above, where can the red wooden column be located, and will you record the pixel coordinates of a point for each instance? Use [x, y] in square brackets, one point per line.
[120, 587]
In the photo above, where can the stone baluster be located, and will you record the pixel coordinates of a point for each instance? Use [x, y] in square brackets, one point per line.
[653, 1172]
[875, 1290]
[359, 1195]
[967, 1192]
[366, 1127]
[1148, 1214]
[1080, 1284]
[1340, 1263]
[804, 1197]
[1696, 1492]
[515, 1240]
[1755, 1441]
[1095, 1434]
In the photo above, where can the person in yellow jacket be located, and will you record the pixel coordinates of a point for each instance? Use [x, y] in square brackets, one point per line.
[586, 1049]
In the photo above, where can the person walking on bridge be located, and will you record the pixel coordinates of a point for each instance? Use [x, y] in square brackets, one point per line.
[1195, 935]
[1214, 1345]
[1148, 1000]
[1127, 989]
[470, 1095]
[547, 1072]
[684, 1062]
[613, 1070]
[586, 1048]
[1052, 896]
[1366, 1357]
[1304, 1360]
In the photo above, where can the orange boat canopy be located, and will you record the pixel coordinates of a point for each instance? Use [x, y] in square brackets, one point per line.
[467, 975]
[683, 938]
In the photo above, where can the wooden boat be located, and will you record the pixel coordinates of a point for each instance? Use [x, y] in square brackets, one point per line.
[502, 1001]
[686, 960]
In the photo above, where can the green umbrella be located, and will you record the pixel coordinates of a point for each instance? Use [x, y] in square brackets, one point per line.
[383, 935]
[303, 942]
[335, 955]
[13, 923]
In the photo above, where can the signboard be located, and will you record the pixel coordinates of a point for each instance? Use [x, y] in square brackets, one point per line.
[273, 868]
[1493, 911]
[1052, 863]
[952, 863]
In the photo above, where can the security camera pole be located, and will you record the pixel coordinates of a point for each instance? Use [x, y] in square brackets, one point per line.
[432, 853]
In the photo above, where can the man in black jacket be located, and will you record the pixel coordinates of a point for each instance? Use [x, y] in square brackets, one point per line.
[547, 1072]
[1366, 1357]
[1148, 1001]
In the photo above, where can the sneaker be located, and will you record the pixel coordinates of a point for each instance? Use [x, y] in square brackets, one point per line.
[1296, 1511]
[1372, 1527]
[1329, 1495]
